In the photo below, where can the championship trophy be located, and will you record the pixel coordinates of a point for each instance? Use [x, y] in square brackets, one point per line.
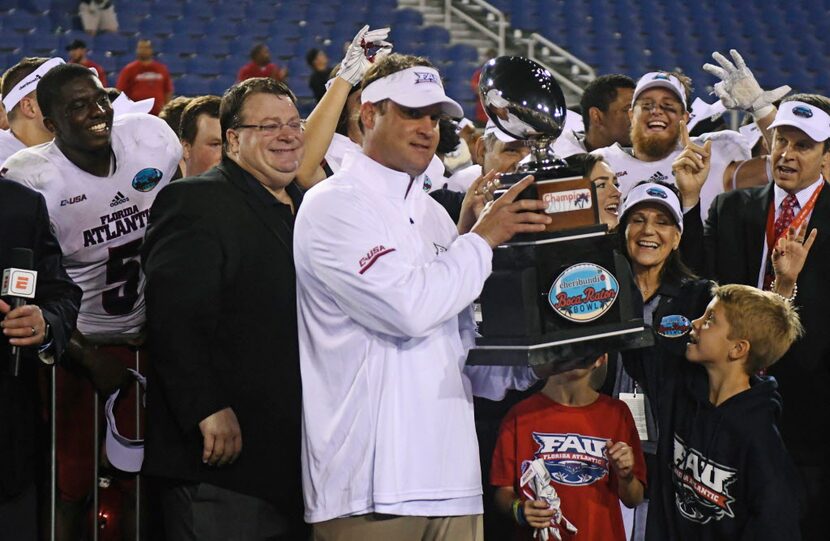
[566, 294]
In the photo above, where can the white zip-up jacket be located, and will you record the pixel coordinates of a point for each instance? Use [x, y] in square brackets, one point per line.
[384, 290]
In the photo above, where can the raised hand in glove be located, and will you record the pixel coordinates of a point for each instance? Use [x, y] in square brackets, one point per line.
[366, 47]
[738, 88]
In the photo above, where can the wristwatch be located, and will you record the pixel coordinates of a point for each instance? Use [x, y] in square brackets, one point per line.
[45, 352]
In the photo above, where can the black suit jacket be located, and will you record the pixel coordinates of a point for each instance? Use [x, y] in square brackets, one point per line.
[222, 331]
[24, 223]
[734, 237]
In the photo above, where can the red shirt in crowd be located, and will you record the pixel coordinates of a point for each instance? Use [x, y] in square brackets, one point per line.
[140, 80]
[571, 440]
[98, 69]
[252, 69]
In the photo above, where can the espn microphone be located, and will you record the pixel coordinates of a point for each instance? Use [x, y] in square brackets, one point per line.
[19, 283]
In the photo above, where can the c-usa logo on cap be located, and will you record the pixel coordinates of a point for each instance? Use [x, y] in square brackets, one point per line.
[657, 192]
[803, 111]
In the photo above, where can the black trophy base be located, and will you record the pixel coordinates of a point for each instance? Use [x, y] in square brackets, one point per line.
[565, 350]
[558, 299]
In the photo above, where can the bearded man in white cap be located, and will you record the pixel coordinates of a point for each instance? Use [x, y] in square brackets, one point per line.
[751, 233]
[19, 91]
[659, 117]
[385, 283]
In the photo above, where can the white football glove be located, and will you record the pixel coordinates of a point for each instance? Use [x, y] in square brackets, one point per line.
[738, 88]
[366, 47]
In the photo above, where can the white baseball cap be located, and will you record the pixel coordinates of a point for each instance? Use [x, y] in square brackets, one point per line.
[660, 79]
[807, 118]
[123, 453]
[500, 135]
[418, 86]
[651, 192]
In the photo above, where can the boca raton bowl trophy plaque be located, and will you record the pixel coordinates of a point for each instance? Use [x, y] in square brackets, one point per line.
[566, 294]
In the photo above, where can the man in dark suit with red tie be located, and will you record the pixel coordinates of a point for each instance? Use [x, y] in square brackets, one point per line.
[741, 233]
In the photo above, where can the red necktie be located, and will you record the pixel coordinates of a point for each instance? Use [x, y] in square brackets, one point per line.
[781, 224]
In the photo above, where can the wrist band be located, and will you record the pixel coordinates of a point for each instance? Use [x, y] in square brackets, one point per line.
[519, 512]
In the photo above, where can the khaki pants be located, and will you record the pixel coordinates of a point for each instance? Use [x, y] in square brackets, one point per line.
[376, 527]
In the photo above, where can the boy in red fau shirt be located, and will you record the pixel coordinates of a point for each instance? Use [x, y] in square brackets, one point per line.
[590, 447]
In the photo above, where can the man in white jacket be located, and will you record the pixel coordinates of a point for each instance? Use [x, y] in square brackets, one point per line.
[385, 283]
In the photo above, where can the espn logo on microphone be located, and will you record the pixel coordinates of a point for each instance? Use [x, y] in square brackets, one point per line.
[19, 283]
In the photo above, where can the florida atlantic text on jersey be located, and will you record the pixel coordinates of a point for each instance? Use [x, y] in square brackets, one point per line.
[100, 221]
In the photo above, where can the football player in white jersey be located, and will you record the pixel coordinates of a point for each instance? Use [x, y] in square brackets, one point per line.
[99, 178]
[19, 91]
[605, 104]
[658, 107]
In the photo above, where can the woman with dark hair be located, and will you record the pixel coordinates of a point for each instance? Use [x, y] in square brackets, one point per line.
[319, 63]
[650, 229]
[595, 168]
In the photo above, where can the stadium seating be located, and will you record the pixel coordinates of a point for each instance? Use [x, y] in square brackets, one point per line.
[204, 42]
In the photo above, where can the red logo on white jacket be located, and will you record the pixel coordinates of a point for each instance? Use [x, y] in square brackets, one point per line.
[371, 256]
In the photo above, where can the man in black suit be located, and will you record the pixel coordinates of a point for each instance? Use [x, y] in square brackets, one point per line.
[223, 405]
[741, 236]
[42, 328]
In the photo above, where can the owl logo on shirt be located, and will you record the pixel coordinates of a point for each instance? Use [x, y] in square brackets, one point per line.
[572, 459]
[701, 485]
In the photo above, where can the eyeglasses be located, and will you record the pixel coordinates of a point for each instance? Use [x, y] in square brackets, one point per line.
[295, 126]
[649, 106]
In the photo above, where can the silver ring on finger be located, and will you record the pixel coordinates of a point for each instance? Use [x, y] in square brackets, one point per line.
[34, 331]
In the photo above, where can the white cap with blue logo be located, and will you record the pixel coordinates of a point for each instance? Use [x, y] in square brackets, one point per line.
[418, 86]
[651, 192]
[807, 118]
[660, 79]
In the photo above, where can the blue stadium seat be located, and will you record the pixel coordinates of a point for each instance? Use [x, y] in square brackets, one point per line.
[206, 66]
[218, 28]
[113, 43]
[195, 11]
[167, 10]
[380, 16]
[228, 11]
[107, 62]
[463, 53]
[436, 34]
[219, 85]
[10, 43]
[193, 86]
[181, 45]
[25, 22]
[7, 6]
[214, 48]
[189, 27]
[42, 44]
[408, 17]
[255, 11]
[156, 27]
[35, 6]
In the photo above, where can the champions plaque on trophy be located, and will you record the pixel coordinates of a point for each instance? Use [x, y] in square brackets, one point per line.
[563, 295]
